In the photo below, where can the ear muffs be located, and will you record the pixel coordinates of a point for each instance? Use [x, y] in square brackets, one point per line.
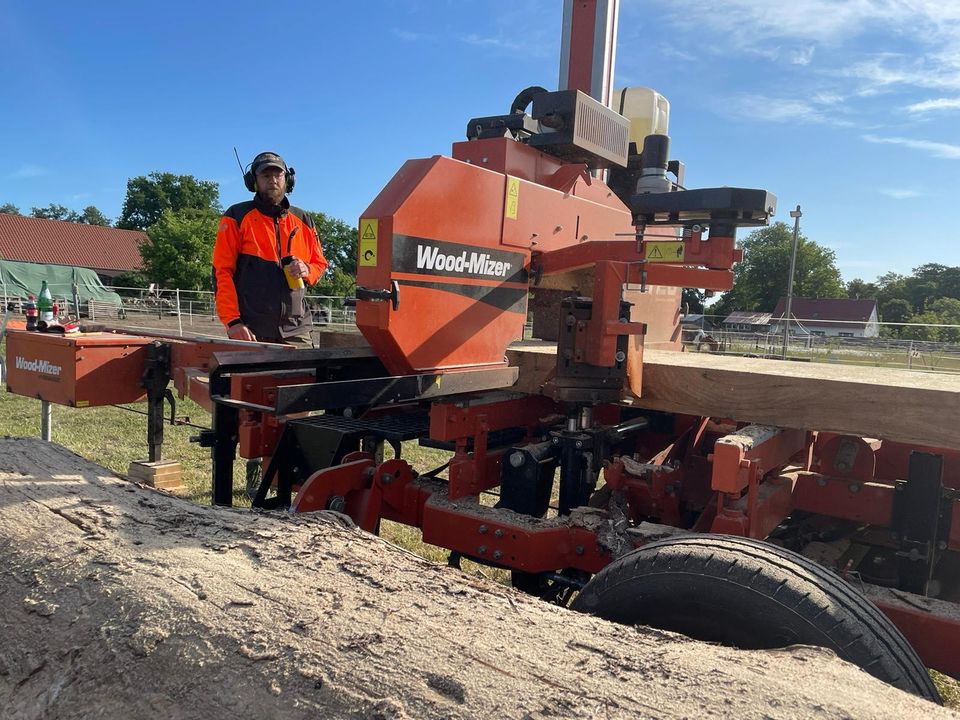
[250, 178]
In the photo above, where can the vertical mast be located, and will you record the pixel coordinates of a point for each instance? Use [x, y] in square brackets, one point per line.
[588, 49]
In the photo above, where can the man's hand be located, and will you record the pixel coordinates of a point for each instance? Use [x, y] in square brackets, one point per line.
[298, 268]
[240, 332]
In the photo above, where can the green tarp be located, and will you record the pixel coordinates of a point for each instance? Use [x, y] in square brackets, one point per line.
[19, 279]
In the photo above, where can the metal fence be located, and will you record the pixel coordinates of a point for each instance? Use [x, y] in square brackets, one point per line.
[881, 351]
[193, 311]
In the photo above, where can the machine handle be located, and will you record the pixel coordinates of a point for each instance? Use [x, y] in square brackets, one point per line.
[371, 295]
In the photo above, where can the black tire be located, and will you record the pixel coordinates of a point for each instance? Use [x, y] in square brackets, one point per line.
[750, 594]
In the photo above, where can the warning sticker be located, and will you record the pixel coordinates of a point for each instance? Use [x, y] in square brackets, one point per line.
[368, 242]
[513, 198]
[665, 252]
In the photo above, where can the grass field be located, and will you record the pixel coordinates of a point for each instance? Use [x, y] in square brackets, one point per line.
[114, 437]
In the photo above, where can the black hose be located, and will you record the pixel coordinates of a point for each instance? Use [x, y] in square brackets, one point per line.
[525, 98]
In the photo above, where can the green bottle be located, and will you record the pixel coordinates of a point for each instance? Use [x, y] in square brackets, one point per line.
[45, 303]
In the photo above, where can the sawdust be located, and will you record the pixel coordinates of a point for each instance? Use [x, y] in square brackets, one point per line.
[117, 601]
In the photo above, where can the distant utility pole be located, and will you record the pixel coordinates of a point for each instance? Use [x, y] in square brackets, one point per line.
[795, 214]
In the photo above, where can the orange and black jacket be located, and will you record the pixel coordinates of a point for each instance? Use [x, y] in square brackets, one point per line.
[248, 280]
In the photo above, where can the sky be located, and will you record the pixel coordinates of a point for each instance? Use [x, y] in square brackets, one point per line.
[849, 108]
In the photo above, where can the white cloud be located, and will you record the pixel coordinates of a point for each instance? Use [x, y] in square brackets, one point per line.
[936, 149]
[771, 109]
[816, 21]
[935, 104]
[803, 56]
[28, 171]
[408, 35]
[899, 194]
[793, 31]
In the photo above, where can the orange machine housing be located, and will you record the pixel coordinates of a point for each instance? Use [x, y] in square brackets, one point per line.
[456, 235]
[85, 370]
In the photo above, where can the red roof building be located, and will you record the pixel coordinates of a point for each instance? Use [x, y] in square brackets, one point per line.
[842, 317]
[108, 251]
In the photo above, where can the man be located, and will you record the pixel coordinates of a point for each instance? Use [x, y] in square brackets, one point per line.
[256, 299]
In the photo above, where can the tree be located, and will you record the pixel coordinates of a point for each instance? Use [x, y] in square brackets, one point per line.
[858, 289]
[896, 310]
[761, 279]
[9, 209]
[179, 247]
[53, 211]
[339, 242]
[148, 197]
[692, 300]
[947, 312]
[91, 215]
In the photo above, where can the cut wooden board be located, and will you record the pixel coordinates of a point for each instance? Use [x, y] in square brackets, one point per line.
[901, 405]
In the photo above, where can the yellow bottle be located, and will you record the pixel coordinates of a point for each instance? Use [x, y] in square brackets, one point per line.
[295, 283]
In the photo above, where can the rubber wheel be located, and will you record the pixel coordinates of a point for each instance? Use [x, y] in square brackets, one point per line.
[750, 594]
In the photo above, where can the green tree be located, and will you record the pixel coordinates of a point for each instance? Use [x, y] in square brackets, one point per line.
[858, 289]
[149, 196]
[895, 310]
[947, 312]
[9, 209]
[922, 331]
[53, 211]
[692, 300]
[91, 215]
[178, 249]
[761, 279]
[339, 242]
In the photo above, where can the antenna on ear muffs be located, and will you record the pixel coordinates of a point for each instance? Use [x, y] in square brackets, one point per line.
[249, 181]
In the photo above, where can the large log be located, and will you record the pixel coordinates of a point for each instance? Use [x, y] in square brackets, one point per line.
[901, 405]
[117, 601]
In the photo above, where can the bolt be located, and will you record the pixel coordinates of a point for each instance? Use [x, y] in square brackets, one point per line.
[620, 356]
[942, 545]
[498, 533]
[517, 459]
[386, 478]
[821, 481]
[578, 549]
[854, 487]
[482, 550]
[497, 554]
[578, 444]
[842, 466]
[337, 503]
[556, 441]
[483, 529]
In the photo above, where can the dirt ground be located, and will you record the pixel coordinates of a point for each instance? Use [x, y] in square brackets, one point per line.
[117, 601]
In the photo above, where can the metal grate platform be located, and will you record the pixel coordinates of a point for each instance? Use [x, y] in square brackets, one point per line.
[397, 428]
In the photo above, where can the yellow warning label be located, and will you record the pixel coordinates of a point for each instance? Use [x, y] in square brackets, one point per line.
[83, 403]
[513, 198]
[665, 252]
[368, 242]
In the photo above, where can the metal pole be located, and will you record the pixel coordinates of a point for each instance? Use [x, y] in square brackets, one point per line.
[46, 419]
[179, 316]
[795, 214]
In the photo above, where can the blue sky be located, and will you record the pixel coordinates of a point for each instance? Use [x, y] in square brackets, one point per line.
[850, 108]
